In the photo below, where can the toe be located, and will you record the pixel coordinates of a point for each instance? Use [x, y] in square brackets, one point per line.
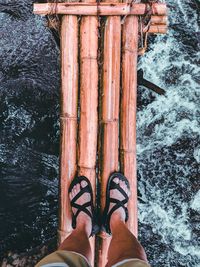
[116, 180]
[83, 183]
[126, 190]
[121, 183]
[78, 187]
[72, 193]
[75, 190]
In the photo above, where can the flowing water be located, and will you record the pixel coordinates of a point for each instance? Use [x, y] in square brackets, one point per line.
[168, 139]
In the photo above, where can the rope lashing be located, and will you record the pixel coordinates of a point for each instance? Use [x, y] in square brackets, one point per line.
[144, 25]
[130, 6]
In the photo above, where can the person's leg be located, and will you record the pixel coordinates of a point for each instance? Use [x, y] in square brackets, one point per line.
[78, 240]
[124, 244]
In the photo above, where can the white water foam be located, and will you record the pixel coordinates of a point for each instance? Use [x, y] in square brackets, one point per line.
[166, 194]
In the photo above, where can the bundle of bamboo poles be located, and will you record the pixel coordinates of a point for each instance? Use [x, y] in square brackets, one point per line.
[113, 120]
[157, 25]
[158, 11]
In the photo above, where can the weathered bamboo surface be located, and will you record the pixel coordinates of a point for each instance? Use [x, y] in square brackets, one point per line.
[110, 115]
[101, 9]
[157, 29]
[128, 114]
[159, 19]
[69, 102]
[88, 98]
[88, 102]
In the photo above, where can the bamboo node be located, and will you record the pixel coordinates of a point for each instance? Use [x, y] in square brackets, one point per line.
[128, 151]
[89, 58]
[68, 117]
[86, 167]
[107, 121]
[132, 51]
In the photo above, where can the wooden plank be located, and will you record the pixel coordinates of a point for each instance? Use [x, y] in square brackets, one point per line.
[110, 116]
[101, 9]
[128, 114]
[69, 102]
[88, 103]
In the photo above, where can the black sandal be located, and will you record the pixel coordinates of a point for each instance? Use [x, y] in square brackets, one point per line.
[83, 208]
[118, 204]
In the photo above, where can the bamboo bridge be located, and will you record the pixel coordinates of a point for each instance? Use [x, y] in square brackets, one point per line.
[98, 97]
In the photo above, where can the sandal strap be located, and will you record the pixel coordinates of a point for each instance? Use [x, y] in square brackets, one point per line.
[84, 206]
[114, 200]
[82, 191]
[117, 203]
[113, 185]
[81, 209]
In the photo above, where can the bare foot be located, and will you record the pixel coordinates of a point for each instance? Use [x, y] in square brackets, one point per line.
[83, 221]
[119, 214]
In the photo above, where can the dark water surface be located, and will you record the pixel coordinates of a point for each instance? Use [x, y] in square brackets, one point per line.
[168, 136]
[29, 117]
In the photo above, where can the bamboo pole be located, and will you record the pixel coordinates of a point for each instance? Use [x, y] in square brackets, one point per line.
[102, 9]
[88, 102]
[128, 114]
[110, 115]
[69, 101]
[88, 98]
[158, 19]
[157, 29]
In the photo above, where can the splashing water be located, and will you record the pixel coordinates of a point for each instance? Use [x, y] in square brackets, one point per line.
[168, 144]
